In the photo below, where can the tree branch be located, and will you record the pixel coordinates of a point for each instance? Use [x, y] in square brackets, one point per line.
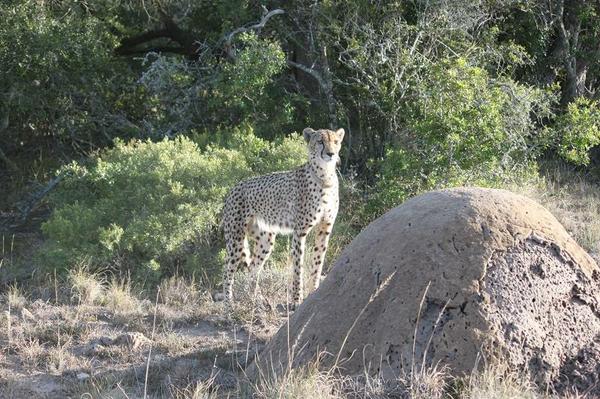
[7, 161]
[324, 82]
[261, 24]
[187, 45]
[29, 205]
[127, 44]
[568, 42]
[170, 30]
[308, 70]
[157, 49]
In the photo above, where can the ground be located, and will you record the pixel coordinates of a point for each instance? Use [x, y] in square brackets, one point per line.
[91, 336]
[99, 342]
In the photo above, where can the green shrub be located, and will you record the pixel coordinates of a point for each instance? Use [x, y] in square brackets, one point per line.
[189, 94]
[464, 128]
[578, 130]
[242, 84]
[153, 207]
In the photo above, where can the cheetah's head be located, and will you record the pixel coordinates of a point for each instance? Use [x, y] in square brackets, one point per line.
[324, 145]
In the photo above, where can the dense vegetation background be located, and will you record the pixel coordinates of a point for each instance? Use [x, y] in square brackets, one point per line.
[148, 111]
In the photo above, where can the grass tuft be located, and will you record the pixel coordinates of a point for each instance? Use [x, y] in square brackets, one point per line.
[86, 288]
[197, 390]
[120, 299]
[498, 382]
[273, 291]
[31, 353]
[178, 291]
[15, 298]
[300, 383]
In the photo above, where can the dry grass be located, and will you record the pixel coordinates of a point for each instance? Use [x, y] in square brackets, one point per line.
[59, 359]
[198, 390]
[302, 383]
[272, 293]
[495, 382]
[55, 332]
[179, 291]
[430, 383]
[310, 382]
[31, 353]
[501, 382]
[173, 343]
[45, 344]
[106, 387]
[120, 299]
[498, 382]
[53, 359]
[86, 287]
[14, 298]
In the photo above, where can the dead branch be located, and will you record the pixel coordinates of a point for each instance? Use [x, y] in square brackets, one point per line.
[185, 40]
[308, 70]
[325, 81]
[30, 204]
[228, 38]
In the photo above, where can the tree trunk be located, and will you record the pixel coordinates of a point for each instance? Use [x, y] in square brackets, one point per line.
[569, 28]
[10, 164]
[4, 122]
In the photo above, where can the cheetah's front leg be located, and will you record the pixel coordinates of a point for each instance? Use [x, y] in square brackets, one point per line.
[323, 232]
[298, 243]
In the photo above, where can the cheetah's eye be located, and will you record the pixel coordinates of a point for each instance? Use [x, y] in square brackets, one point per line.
[320, 141]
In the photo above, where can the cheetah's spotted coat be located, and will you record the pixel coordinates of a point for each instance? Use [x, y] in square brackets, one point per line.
[292, 202]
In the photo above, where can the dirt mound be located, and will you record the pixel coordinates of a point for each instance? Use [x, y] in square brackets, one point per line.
[479, 275]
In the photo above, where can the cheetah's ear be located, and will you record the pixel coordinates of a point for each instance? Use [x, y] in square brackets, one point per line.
[307, 133]
[340, 133]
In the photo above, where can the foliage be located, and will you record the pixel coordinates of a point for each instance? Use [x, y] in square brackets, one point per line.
[192, 94]
[465, 127]
[241, 85]
[578, 130]
[58, 78]
[145, 207]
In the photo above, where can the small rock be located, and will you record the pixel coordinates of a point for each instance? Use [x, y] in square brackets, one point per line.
[218, 296]
[83, 376]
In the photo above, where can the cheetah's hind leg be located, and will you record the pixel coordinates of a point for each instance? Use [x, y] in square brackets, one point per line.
[264, 241]
[237, 257]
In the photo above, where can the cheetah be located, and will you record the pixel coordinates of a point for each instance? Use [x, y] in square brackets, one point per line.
[291, 202]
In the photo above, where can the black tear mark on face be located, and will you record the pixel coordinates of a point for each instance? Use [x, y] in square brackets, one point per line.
[322, 144]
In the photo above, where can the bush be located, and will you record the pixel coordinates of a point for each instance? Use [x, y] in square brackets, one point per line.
[464, 127]
[151, 208]
[189, 94]
[578, 130]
